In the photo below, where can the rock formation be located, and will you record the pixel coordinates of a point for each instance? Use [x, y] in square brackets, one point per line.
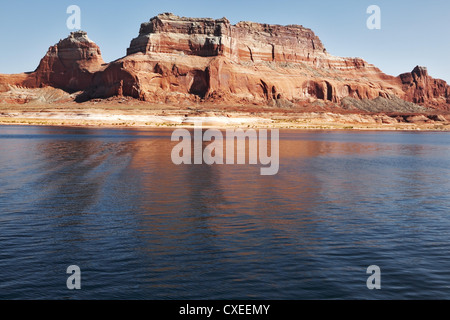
[247, 62]
[71, 64]
[420, 88]
[176, 58]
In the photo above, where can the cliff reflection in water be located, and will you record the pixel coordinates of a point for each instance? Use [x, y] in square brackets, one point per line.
[112, 202]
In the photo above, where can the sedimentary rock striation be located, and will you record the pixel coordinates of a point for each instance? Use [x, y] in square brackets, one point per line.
[69, 65]
[420, 88]
[176, 58]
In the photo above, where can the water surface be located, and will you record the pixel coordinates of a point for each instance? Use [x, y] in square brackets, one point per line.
[140, 227]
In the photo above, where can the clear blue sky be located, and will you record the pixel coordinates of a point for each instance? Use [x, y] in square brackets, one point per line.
[412, 32]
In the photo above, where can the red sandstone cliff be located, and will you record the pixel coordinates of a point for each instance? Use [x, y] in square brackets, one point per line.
[69, 65]
[176, 58]
[420, 88]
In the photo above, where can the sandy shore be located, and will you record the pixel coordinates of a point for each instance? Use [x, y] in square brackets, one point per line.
[221, 118]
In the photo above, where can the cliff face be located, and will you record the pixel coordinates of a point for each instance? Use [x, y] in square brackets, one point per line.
[188, 58]
[71, 64]
[176, 58]
[420, 88]
[246, 41]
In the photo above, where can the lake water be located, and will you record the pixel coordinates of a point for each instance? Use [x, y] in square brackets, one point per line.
[139, 227]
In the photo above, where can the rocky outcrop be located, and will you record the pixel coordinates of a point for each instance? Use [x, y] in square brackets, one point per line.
[200, 59]
[420, 88]
[206, 59]
[71, 64]
[245, 41]
[7, 81]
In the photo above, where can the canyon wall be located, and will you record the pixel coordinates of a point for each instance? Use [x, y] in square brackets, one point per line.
[201, 59]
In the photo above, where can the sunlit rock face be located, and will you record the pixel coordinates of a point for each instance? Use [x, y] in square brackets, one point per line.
[71, 63]
[200, 59]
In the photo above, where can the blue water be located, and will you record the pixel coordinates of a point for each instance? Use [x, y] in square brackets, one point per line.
[140, 227]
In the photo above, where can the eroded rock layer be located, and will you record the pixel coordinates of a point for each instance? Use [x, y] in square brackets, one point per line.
[176, 58]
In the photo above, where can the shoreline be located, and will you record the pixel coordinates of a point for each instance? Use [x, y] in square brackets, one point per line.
[222, 119]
